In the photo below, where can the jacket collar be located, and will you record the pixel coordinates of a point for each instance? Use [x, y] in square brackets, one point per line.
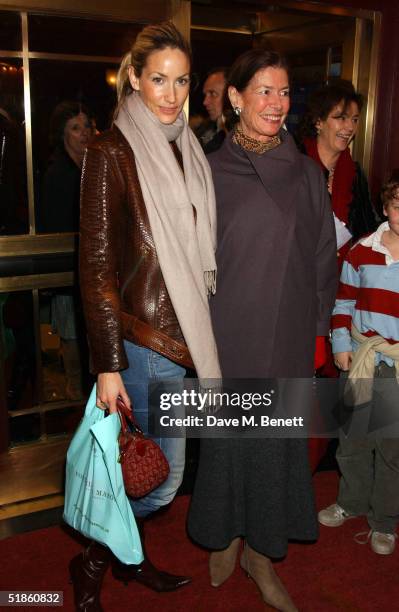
[278, 169]
[375, 242]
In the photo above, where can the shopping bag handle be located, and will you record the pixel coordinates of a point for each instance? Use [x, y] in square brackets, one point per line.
[126, 416]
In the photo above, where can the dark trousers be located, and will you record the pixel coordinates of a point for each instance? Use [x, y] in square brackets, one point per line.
[369, 464]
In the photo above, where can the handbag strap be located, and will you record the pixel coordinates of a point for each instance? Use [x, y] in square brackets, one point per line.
[126, 416]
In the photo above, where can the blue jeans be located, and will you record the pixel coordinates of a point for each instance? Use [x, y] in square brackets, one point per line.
[144, 365]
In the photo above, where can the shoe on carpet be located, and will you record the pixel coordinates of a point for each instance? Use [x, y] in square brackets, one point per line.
[381, 543]
[333, 516]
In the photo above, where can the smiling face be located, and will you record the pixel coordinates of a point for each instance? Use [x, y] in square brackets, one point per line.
[77, 133]
[264, 103]
[164, 83]
[339, 128]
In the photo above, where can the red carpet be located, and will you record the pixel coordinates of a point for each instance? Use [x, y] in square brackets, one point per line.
[333, 574]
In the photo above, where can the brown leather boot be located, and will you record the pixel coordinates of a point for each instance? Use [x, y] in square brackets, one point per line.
[222, 563]
[87, 571]
[260, 569]
[146, 573]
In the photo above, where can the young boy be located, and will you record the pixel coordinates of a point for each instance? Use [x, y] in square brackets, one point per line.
[366, 315]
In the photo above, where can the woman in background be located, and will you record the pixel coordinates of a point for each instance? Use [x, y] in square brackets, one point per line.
[327, 129]
[329, 126]
[70, 133]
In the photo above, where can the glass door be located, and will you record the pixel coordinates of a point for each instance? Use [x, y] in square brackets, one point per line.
[50, 62]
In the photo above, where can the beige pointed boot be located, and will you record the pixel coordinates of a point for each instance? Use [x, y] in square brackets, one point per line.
[222, 563]
[260, 569]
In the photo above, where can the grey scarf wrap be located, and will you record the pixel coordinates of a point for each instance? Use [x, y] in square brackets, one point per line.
[185, 245]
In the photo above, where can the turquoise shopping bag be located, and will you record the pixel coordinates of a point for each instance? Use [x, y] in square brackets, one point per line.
[95, 498]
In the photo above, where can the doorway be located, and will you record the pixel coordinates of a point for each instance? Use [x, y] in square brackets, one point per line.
[42, 63]
[320, 42]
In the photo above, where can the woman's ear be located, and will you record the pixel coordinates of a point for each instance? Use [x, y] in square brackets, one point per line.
[234, 97]
[134, 81]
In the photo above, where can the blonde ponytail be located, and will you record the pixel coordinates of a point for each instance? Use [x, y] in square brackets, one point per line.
[123, 87]
[152, 38]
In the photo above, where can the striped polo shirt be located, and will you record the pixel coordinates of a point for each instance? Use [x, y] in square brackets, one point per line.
[368, 295]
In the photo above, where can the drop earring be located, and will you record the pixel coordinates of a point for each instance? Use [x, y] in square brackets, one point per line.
[237, 110]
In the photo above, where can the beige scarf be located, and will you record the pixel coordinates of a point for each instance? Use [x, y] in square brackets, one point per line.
[185, 246]
[360, 380]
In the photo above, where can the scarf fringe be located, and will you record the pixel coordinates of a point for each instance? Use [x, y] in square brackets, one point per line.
[210, 282]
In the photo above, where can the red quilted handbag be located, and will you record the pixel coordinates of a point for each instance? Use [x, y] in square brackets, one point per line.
[144, 466]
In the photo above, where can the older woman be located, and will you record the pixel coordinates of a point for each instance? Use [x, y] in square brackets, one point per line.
[276, 260]
[147, 262]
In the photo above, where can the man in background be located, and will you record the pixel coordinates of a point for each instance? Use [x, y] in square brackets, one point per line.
[212, 133]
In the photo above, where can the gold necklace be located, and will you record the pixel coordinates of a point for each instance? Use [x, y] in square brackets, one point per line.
[330, 179]
[251, 144]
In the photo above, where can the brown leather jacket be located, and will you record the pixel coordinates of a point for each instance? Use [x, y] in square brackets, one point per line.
[123, 291]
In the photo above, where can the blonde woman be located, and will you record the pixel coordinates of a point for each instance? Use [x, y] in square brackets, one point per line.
[146, 264]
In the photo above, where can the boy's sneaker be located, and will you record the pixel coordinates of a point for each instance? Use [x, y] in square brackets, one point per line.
[333, 516]
[383, 543]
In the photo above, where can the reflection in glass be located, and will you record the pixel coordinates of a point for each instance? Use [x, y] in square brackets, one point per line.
[10, 31]
[308, 72]
[63, 345]
[14, 218]
[58, 204]
[63, 421]
[80, 36]
[335, 68]
[18, 365]
[24, 428]
[63, 355]
[52, 83]
[17, 331]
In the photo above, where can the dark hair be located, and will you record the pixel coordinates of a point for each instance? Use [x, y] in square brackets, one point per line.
[152, 38]
[223, 69]
[243, 70]
[322, 102]
[62, 113]
[248, 63]
[390, 188]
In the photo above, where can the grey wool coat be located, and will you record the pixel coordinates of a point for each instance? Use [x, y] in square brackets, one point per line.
[276, 285]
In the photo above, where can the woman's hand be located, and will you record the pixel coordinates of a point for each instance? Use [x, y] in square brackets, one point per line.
[343, 360]
[109, 387]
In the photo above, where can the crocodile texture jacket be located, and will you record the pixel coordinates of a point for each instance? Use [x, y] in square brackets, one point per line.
[123, 292]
